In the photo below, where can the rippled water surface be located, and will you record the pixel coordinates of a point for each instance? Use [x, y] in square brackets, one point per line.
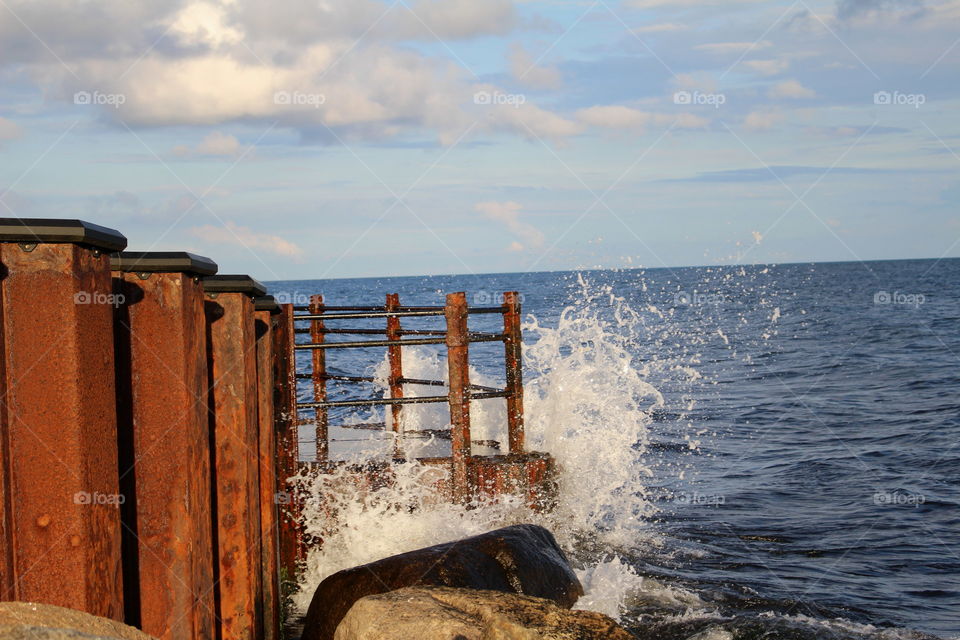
[747, 452]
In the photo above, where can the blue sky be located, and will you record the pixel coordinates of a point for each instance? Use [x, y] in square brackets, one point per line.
[341, 138]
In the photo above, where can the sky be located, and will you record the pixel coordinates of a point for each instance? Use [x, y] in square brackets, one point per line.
[353, 138]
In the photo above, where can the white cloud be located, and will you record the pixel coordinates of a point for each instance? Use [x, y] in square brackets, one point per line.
[790, 89]
[762, 120]
[215, 144]
[9, 130]
[508, 213]
[526, 70]
[733, 47]
[661, 27]
[232, 234]
[627, 118]
[767, 67]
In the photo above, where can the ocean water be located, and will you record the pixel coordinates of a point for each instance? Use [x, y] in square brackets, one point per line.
[746, 452]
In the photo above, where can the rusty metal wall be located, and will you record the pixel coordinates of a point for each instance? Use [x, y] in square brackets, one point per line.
[61, 517]
[235, 437]
[162, 398]
[269, 541]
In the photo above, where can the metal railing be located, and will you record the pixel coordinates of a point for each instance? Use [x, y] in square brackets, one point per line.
[455, 336]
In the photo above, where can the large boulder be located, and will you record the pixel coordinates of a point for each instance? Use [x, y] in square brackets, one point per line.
[34, 621]
[519, 559]
[418, 613]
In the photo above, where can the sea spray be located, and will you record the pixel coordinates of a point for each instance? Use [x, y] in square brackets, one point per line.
[588, 403]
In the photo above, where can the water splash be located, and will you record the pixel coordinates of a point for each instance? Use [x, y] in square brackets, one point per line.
[588, 403]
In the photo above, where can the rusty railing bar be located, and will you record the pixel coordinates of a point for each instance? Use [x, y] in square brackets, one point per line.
[377, 332]
[458, 398]
[428, 311]
[359, 344]
[390, 401]
[319, 361]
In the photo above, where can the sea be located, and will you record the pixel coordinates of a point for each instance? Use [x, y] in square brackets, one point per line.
[764, 451]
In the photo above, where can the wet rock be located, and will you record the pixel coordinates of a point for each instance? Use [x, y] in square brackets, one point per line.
[519, 559]
[418, 613]
[33, 621]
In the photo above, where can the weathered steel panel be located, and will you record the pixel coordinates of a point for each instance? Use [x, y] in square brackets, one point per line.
[61, 497]
[235, 440]
[162, 396]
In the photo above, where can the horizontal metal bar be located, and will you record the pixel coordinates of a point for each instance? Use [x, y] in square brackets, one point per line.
[359, 344]
[375, 332]
[392, 401]
[370, 314]
[372, 402]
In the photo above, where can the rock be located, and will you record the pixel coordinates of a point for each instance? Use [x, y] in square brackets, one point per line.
[29, 620]
[519, 559]
[442, 613]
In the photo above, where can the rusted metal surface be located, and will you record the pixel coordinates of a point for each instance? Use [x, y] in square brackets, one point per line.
[319, 360]
[61, 517]
[395, 356]
[269, 541]
[458, 362]
[235, 441]
[513, 345]
[288, 455]
[165, 465]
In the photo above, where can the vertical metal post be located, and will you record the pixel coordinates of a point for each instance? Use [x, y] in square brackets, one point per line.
[236, 444]
[319, 380]
[458, 362]
[269, 544]
[58, 416]
[395, 355]
[288, 452]
[160, 334]
[513, 345]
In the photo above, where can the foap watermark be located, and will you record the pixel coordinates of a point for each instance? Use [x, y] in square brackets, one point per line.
[899, 298]
[897, 98]
[86, 497]
[688, 298]
[898, 499]
[488, 98]
[292, 297]
[299, 99]
[699, 98]
[99, 297]
[492, 297]
[98, 98]
[700, 499]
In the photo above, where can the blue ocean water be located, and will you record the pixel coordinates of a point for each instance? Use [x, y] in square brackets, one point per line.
[804, 464]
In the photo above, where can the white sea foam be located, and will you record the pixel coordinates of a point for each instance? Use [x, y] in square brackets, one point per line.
[588, 404]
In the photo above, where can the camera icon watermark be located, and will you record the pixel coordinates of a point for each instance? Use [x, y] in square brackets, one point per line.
[490, 98]
[97, 98]
[897, 98]
[98, 297]
[898, 298]
[699, 98]
[299, 99]
[292, 297]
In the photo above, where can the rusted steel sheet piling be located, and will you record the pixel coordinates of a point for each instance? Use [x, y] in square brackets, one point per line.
[235, 441]
[160, 334]
[458, 362]
[264, 308]
[60, 524]
[513, 345]
[288, 454]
